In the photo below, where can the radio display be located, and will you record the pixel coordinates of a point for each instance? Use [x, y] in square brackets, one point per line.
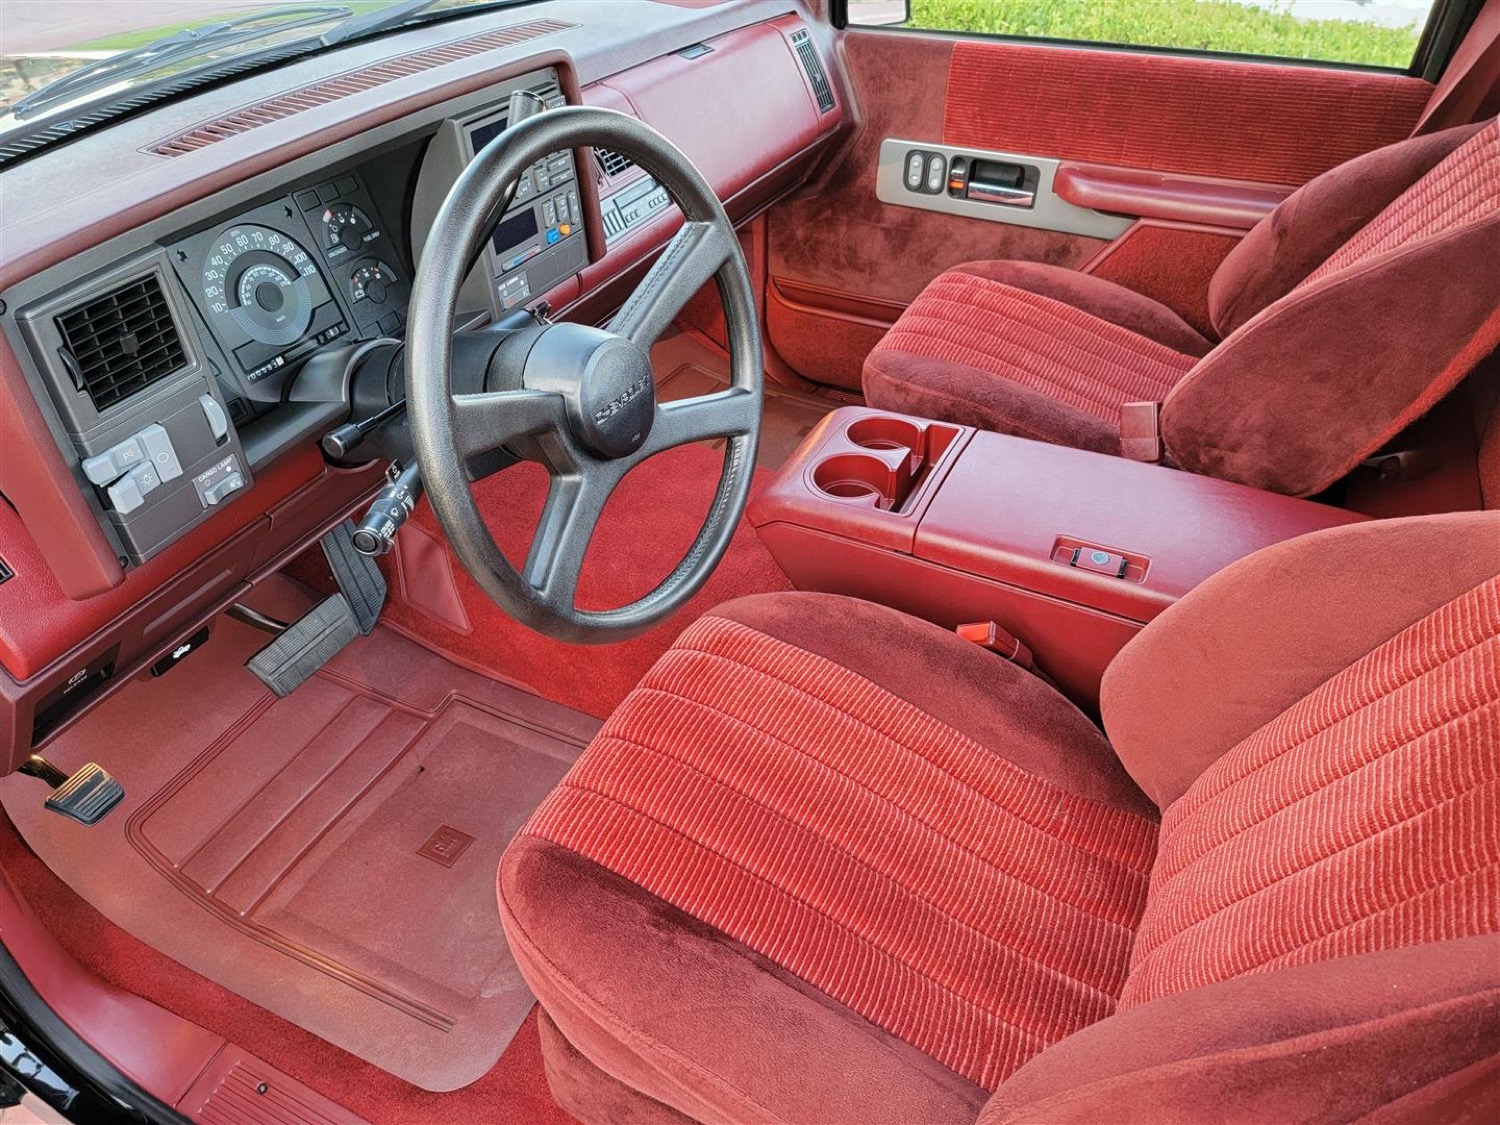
[515, 230]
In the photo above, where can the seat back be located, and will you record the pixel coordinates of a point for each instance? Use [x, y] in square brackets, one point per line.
[1367, 335]
[1321, 937]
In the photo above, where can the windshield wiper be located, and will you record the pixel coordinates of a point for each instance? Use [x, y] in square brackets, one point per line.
[378, 20]
[182, 45]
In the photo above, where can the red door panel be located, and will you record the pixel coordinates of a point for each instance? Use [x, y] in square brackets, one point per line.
[1199, 147]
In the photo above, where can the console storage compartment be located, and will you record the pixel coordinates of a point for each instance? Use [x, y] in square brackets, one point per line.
[1072, 551]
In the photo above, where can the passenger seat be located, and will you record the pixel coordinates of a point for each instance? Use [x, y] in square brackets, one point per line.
[1342, 317]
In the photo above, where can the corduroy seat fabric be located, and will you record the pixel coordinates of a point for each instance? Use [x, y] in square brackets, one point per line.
[1337, 323]
[829, 863]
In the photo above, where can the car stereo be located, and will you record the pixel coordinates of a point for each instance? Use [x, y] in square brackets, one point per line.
[539, 241]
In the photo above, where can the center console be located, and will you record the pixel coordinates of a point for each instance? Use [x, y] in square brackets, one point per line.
[1073, 552]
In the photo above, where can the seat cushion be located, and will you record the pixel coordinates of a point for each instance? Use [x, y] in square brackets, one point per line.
[827, 863]
[983, 352]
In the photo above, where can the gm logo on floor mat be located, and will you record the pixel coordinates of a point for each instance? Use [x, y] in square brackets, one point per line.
[445, 845]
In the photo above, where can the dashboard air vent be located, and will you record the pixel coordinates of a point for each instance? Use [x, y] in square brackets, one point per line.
[613, 163]
[814, 68]
[121, 342]
[356, 81]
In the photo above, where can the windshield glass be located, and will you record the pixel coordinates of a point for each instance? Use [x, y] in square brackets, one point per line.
[57, 58]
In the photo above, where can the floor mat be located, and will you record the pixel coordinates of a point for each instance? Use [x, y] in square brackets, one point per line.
[330, 856]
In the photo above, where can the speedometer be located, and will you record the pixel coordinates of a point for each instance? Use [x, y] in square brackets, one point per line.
[262, 280]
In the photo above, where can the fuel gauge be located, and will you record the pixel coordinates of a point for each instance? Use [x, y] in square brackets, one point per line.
[345, 229]
[372, 280]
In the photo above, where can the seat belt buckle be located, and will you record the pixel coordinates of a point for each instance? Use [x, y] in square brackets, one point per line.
[1140, 431]
[989, 635]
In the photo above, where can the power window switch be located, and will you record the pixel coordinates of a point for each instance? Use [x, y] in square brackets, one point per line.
[1099, 561]
[160, 452]
[937, 174]
[916, 170]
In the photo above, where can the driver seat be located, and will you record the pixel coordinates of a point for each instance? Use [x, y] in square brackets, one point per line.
[829, 863]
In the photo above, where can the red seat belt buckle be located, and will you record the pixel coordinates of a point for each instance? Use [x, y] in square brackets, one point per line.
[988, 635]
[1140, 431]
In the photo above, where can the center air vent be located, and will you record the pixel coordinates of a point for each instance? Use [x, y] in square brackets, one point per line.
[121, 342]
[614, 163]
[814, 68]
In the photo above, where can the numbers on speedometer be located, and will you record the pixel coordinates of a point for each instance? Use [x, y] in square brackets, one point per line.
[259, 278]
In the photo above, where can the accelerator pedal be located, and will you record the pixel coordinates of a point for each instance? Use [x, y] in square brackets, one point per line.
[359, 579]
[317, 636]
[86, 796]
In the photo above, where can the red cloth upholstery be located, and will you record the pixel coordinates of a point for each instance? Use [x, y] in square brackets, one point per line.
[794, 879]
[983, 352]
[1365, 817]
[1314, 221]
[1349, 279]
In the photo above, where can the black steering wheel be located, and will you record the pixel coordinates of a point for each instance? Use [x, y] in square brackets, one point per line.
[578, 399]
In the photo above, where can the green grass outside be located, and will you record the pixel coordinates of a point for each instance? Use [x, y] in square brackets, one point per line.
[1196, 25]
[126, 40]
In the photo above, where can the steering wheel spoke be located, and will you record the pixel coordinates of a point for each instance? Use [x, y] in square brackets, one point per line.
[722, 414]
[695, 254]
[484, 422]
[575, 502]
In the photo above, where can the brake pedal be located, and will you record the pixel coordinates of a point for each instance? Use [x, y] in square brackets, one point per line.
[86, 796]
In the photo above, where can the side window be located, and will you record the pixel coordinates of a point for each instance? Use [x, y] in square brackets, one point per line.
[1378, 33]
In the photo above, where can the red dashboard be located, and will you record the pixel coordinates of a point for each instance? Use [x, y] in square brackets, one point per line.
[78, 616]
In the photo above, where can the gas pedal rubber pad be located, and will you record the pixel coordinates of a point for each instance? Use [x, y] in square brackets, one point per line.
[359, 579]
[87, 796]
[310, 642]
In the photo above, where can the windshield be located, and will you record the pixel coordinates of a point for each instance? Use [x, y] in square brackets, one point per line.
[59, 60]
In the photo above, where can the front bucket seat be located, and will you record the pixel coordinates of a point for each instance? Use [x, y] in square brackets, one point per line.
[1341, 318]
[829, 863]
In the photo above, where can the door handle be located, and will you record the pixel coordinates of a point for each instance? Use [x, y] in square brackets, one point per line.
[993, 181]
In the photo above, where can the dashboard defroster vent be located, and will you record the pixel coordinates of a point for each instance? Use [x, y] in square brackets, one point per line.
[814, 68]
[355, 82]
[121, 342]
[613, 163]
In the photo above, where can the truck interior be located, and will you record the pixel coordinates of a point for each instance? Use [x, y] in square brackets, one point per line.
[729, 561]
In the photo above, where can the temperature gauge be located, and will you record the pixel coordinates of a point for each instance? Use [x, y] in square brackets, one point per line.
[345, 229]
[373, 281]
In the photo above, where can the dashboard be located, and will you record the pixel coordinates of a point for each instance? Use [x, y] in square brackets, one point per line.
[168, 332]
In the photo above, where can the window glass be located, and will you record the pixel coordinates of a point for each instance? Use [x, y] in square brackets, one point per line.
[1362, 32]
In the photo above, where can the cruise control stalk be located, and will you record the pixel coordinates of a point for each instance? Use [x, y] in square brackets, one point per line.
[376, 533]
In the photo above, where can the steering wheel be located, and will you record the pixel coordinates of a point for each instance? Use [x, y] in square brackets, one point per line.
[578, 399]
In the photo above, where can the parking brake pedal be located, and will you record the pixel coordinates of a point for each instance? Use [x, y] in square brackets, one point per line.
[319, 634]
[86, 796]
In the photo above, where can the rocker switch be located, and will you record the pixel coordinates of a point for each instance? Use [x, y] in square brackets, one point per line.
[1100, 562]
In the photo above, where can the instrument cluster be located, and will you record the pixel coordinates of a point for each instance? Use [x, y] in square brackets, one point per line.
[270, 301]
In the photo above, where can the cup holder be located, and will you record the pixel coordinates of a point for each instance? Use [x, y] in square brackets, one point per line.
[885, 460]
[886, 433]
[856, 476]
